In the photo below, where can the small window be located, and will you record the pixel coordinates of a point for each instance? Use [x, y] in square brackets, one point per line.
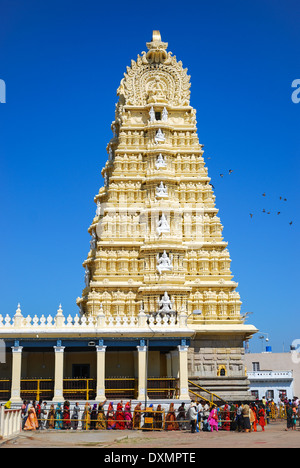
[157, 115]
[222, 371]
[255, 366]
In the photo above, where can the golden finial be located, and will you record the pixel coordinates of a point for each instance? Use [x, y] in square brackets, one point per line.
[157, 49]
[156, 37]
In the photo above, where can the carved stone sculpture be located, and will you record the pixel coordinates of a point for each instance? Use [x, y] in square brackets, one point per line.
[161, 191]
[160, 162]
[159, 137]
[164, 263]
[162, 225]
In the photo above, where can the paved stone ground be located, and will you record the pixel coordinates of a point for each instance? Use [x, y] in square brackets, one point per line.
[274, 436]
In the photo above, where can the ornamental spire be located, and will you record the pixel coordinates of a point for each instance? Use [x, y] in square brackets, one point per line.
[157, 49]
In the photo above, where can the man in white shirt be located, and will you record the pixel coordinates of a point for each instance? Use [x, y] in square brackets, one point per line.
[192, 414]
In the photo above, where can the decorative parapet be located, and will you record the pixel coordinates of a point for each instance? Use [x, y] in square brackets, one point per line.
[158, 322]
[270, 375]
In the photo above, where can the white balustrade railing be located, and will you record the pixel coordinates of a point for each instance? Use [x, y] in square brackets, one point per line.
[18, 321]
[10, 422]
[270, 375]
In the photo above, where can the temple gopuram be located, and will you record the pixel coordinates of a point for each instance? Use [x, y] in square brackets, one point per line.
[159, 317]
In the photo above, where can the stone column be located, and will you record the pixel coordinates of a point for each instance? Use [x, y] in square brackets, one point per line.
[183, 372]
[59, 373]
[175, 363]
[169, 365]
[100, 396]
[142, 370]
[16, 374]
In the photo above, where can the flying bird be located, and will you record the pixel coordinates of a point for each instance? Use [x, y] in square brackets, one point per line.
[291, 223]
[230, 171]
[251, 214]
[263, 194]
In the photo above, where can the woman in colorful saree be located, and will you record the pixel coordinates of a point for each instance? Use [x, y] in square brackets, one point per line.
[213, 420]
[58, 417]
[31, 422]
[101, 420]
[128, 416]
[110, 416]
[86, 417]
[120, 422]
[171, 423]
[137, 416]
[51, 417]
[158, 418]
[94, 417]
[66, 416]
[261, 417]
[225, 416]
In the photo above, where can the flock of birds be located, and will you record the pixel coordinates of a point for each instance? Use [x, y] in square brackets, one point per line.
[230, 171]
[269, 212]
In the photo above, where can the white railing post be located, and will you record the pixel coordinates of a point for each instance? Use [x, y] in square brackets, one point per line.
[10, 422]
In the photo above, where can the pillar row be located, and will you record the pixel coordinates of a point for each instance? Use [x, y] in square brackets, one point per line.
[59, 373]
[16, 374]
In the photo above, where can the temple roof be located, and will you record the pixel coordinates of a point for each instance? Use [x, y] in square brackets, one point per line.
[156, 76]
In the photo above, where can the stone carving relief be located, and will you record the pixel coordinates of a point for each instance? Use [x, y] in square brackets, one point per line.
[155, 77]
[164, 263]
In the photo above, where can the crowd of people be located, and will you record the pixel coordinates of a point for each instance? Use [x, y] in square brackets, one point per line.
[195, 417]
[239, 417]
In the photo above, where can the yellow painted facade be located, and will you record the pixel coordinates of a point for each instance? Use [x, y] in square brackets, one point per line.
[157, 200]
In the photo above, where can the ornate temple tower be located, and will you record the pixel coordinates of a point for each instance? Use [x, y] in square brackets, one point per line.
[156, 239]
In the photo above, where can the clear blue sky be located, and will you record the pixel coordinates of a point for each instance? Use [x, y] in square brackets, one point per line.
[62, 62]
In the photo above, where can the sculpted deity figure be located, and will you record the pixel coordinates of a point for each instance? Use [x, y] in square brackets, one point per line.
[152, 115]
[165, 303]
[160, 161]
[98, 209]
[162, 191]
[114, 130]
[157, 91]
[162, 225]
[164, 263]
[159, 137]
[93, 242]
[164, 116]
[110, 154]
[87, 276]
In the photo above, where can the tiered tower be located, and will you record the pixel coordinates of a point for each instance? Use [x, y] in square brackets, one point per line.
[156, 240]
[156, 233]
